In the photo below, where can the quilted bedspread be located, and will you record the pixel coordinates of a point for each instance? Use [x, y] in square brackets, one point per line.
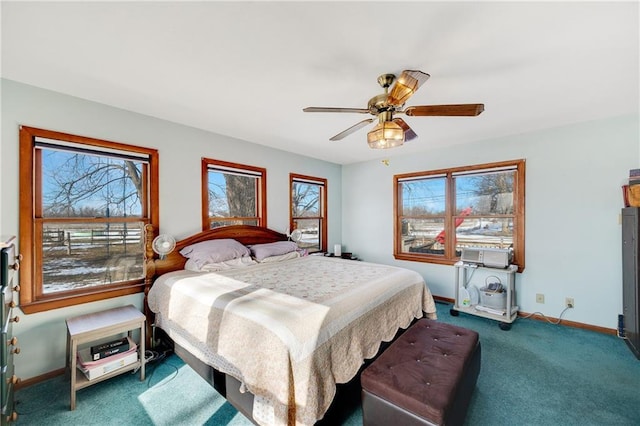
[289, 331]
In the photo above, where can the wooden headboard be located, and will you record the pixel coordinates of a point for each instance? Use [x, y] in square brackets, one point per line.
[154, 266]
[245, 234]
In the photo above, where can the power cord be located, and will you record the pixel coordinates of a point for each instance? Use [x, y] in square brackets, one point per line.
[153, 356]
[547, 319]
[473, 271]
[620, 330]
[173, 376]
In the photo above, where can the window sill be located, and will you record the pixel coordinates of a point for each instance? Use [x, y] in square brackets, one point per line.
[434, 260]
[64, 301]
[424, 259]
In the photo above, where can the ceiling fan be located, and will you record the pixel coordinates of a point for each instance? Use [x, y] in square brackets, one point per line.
[390, 131]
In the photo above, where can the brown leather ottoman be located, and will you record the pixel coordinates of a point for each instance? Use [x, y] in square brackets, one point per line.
[425, 377]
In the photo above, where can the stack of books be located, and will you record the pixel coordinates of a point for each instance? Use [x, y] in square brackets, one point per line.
[98, 360]
[631, 192]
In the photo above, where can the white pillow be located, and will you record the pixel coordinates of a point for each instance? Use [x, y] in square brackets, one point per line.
[239, 262]
[214, 251]
[262, 251]
[281, 257]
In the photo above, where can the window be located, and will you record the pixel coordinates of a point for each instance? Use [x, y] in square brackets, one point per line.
[482, 206]
[309, 211]
[233, 194]
[83, 207]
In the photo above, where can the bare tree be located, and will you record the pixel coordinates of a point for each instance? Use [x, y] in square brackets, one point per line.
[236, 197]
[421, 199]
[241, 195]
[493, 185]
[79, 185]
[305, 199]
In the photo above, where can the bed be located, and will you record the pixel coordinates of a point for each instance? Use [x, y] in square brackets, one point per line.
[275, 337]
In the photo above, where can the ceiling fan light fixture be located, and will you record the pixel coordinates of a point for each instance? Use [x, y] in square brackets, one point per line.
[406, 85]
[392, 132]
[385, 135]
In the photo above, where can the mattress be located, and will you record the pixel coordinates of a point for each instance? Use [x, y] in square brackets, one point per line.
[289, 331]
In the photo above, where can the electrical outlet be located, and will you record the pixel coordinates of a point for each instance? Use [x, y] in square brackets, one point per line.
[568, 302]
[539, 298]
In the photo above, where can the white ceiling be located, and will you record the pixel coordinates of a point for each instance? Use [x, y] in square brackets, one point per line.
[246, 70]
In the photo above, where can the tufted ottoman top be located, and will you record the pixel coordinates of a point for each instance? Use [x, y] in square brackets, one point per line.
[421, 370]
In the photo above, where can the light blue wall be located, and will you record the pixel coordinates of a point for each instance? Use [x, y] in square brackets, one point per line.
[573, 199]
[573, 202]
[180, 149]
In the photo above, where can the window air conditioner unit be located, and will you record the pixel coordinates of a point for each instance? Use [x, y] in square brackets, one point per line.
[492, 258]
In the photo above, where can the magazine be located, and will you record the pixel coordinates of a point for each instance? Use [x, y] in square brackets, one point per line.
[94, 369]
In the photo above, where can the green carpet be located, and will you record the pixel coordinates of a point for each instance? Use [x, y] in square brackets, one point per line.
[535, 374]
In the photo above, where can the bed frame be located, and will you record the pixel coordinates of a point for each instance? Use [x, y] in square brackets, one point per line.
[154, 266]
[226, 385]
[347, 394]
[245, 234]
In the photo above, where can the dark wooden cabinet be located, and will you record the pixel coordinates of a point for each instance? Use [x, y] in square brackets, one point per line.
[630, 277]
[9, 263]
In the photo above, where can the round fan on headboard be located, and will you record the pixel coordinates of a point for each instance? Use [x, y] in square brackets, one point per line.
[163, 244]
[296, 235]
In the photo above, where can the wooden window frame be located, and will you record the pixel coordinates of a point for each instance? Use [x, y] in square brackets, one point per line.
[32, 297]
[449, 227]
[261, 189]
[293, 177]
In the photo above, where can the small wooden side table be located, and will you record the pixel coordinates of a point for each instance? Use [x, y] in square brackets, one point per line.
[99, 325]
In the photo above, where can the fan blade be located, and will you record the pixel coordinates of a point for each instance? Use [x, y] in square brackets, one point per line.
[351, 129]
[408, 132]
[407, 84]
[332, 109]
[466, 110]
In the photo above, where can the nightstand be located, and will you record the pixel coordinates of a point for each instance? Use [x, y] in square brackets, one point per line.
[347, 256]
[93, 327]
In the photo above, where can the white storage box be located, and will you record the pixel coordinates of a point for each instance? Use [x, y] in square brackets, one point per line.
[493, 299]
